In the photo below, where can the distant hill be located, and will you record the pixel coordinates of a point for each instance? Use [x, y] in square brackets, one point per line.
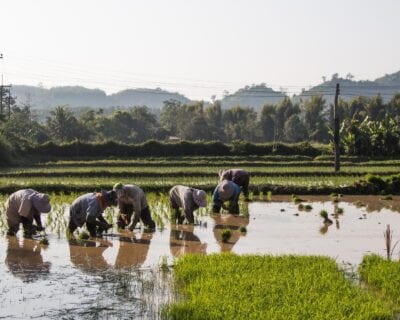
[387, 86]
[250, 96]
[254, 96]
[76, 96]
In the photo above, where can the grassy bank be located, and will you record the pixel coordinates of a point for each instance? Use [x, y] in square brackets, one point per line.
[383, 277]
[264, 287]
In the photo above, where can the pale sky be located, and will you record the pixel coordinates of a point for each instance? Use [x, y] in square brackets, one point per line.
[198, 48]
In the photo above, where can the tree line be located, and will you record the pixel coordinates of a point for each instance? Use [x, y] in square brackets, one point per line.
[369, 126]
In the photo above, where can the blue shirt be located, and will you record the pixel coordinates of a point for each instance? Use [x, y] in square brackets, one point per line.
[85, 208]
[231, 194]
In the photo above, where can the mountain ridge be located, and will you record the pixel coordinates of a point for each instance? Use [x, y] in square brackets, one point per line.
[254, 96]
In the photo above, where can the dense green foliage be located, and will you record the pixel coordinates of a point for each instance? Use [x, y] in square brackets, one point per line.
[383, 276]
[159, 149]
[5, 152]
[369, 127]
[264, 287]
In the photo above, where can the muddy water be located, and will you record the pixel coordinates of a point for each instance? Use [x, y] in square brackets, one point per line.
[119, 276]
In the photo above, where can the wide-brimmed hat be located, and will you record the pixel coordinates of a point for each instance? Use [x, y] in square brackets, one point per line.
[226, 189]
[41, 202]
[110, 197]
[118, 186]
[200, 197]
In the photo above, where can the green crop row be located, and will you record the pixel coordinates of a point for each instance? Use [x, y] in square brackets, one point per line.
[194, 171]
[276, 184]
[210, 162]
[228, 286]
[382, 277]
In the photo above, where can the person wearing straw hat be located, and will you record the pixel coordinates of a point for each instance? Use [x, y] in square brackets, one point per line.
[189, 199]
[89, 209]
[226, 191]
[24, 206]
[131, 199]
[239, 176]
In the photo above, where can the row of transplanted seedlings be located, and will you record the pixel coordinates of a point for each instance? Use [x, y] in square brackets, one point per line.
[57, 219]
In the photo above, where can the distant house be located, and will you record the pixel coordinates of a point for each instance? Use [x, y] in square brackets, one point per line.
[174, 139]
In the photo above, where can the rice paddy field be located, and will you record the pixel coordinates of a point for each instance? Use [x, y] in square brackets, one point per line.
[281, 258]
[288, 175]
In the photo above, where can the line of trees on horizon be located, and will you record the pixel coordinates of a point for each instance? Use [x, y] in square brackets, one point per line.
[368, 125]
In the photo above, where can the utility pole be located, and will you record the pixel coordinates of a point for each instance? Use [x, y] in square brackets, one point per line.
[9, 102]
[1, 89]
[1, 99]
[336, 138]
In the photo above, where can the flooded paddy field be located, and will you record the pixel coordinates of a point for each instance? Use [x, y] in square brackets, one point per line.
[128, 275]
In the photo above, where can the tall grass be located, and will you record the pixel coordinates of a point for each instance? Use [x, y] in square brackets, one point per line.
[383, 277]
[227, 286]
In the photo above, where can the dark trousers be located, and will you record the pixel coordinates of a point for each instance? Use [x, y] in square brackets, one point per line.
[126, 213]
[29, 228]
[177, 216]
[243, 182]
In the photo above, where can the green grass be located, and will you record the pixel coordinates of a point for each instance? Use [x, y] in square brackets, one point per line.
[160, 174]
[383, 277]
[227, 286]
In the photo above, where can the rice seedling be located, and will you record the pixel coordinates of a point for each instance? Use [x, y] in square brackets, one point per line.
[269, 196]
[296, 199]
[57, 220]
[324, 214]
[339, 210]
[244, 209]
[44, 241]
[228, 286]
[382, 277]
[226, 235]
[243, 229]
[3, 219]
[83, 235]
[308, 207]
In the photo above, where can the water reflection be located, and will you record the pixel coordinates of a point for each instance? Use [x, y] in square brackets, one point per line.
[182, 240]
[24, 259]
[375, 203]
[231, 222]
[88, 255]
[324, 229]
[133, 250]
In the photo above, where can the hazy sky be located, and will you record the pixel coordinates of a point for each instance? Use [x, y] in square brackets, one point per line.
[198, 48]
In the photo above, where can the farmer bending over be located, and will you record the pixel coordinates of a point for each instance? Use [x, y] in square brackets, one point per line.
[226, 191]
[189, 199]
[89, 209]
[132, 198]
[24, 206]
[238, 176]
